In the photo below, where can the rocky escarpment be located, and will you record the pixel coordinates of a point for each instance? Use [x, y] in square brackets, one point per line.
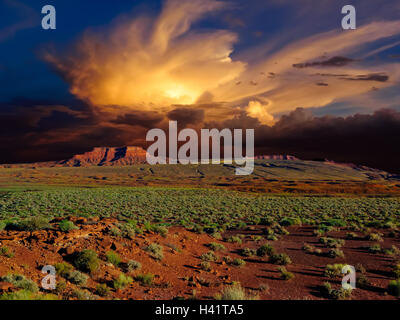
[106, 156]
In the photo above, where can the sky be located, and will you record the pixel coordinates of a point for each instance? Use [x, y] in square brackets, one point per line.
[112, 70]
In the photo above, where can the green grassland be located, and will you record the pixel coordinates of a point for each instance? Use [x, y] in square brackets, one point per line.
[189, 207]
[190, 195]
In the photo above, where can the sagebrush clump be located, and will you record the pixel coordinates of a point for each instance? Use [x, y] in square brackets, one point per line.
[155, 250]
[87, 261]
[280, 258]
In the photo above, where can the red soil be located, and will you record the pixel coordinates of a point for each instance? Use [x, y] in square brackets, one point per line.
[178, 274]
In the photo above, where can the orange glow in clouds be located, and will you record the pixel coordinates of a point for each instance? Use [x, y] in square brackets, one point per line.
[154, 64]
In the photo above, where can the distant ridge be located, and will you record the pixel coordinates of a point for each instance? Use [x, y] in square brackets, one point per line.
[107, 156]
[132, 155]
[115, 156]
[100, 156]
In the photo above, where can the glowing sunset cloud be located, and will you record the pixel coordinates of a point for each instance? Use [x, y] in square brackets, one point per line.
[155, 64]
[152, 64]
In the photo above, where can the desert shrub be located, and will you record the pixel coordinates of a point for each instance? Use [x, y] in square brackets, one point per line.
[256, 238]
[319, 232]
[66, 271]
[115, 232]
[278, 229]
[214, 246]
[333, 270]
[155, 250]
[318, 252]
[61, 285]
[335, 222]
[227, 259]
[126, 230]
[20, 282]
[66, 226]
[33, 224]
[6, 252]
[335, 253]
[235, 292]
[280, 258]
[63, 268]
[396, 271]
[267, 221]
[162, 230]
[340, 294]
[122, 281]
[360, 268]
[362, 281]
[133, 265]
[265, 250]
[238, 262]
[83, 295]
[272, 237]
[198, 229]
[205, 265]
[393, 251]
[3, 225]
[374, 224]
[145, 279]
[147, 226]
[284, 274]
[87, 261]
[234, 239]
[375, 237]
[26, 295]
[113, 258]
[76, 277]
[102, 290]
[209, 256]
[390, 225]
[18, 295]
[216, 235]
[241, 225]
[247, 252]
[375, 248]
[351, 236]
[173, 247]
[290, 222]
[394, 288]
[332, 242]
[308, 248]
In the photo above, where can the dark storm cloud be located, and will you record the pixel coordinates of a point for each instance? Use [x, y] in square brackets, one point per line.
[40, 133]
[363, 139]
[136, 118]
[332, 62]
[27, 132]
[186, 116]
[380, 77]
[31, 133]
[370, 140]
